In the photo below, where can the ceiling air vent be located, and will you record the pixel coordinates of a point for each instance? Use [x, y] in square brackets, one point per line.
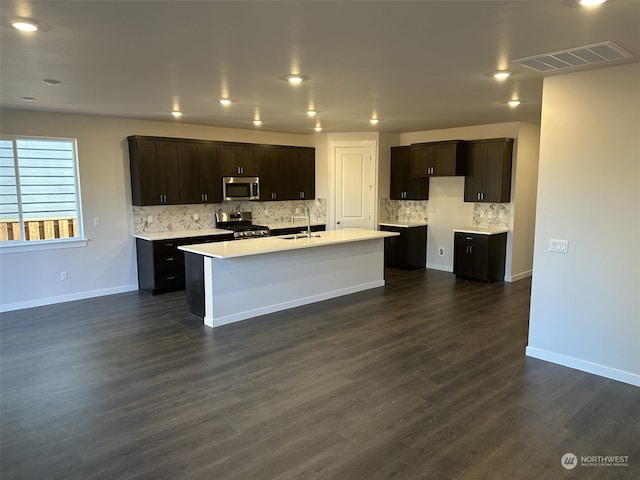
[574, 57]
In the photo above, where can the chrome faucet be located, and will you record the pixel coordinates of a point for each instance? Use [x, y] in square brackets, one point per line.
[308, 217]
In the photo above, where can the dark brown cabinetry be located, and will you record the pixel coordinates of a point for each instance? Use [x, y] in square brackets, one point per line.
[166, 171]
[199, 173]
[155, 166]
[479, 256]
[172, 171]
[287, 173]
[438, 159]
[408, 250]
[488, 171]
[403, 185]
[238, 160]
[161, 264]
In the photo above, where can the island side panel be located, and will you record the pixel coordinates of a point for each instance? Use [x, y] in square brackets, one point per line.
[245, 287]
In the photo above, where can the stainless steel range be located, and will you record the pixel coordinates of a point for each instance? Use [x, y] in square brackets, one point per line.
[241, 224]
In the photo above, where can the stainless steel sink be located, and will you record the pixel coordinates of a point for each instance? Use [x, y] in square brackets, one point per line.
[300, 235]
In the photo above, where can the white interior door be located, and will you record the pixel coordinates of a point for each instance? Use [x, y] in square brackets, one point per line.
[354, 187]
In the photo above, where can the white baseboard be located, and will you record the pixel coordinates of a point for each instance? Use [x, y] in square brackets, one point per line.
[210, 322]
[442, 268]
[67, 298]
[584, 365]
[518, 276]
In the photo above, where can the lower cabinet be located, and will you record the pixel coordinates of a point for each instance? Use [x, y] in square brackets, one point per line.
[479, 256]
[161, 264]
[408, 250]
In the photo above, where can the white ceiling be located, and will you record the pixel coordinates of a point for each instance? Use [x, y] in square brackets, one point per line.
[417, 65]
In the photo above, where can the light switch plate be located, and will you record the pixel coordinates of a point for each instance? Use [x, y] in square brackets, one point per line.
[559, 246]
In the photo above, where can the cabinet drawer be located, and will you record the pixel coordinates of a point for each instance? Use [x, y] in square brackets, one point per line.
[165, 247]
[169, 263]
[170, 281]
[471, 238]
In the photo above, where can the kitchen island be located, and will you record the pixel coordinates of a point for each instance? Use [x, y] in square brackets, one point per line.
[236, 280]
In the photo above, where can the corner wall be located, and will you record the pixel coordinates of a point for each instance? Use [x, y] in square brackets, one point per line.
[585, 304]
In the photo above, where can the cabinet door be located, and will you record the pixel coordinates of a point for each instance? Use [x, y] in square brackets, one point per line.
[400, 165]
[271, 161]
[247, 162]
[229, 165]
[306, 174]
[498, 172]
[144, 173]
[474, 179]
[210, 180]
[190, 173]
[444, 159]
[462, 265]
[421, 160]
[403, 186]
[169, 172]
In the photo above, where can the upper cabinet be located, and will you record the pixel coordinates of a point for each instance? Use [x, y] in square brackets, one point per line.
[403, 185]
[166, 171]
[488, 171]
[239, 159]
[173, 171]
[287, 173]
[438, 159]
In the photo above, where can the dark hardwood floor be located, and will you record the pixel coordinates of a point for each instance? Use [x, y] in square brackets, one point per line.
[424, 378]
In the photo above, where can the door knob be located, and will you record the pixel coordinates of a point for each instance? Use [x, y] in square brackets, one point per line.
[338, 222]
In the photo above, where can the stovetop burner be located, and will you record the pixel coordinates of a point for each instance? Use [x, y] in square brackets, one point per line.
[241, 225]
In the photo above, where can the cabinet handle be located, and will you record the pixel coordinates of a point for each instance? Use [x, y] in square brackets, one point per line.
[171, 278]
[170, 259]
[301, 194]
[206, 197]
[482, 196]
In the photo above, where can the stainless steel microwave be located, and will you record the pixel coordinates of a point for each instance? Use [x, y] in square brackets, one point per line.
[240, 188]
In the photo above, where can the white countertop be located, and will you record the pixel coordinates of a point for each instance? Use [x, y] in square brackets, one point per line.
[258, 246]
[403, 224]
[481, 231]
[181, 234]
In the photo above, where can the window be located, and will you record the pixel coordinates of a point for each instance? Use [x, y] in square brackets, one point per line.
[39, 191]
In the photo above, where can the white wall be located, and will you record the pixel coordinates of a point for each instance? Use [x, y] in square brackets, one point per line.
[447, 210]
[108, 263]
[585, 305]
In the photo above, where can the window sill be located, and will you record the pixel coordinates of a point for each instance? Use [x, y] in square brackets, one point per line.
[7, 247]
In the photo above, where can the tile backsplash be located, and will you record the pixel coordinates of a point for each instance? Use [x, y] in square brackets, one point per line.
[167, 218]
[492, 215]
[404, 210]
[485, 215]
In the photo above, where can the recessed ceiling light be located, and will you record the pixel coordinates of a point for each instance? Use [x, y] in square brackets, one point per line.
[295, 79]
[374, 121]
[257, 122]
[513, 103]
[501, 75]
[311, 113]
[318, 128]
[28, 99]
[225, 101]
[176, 113]
[591, 3]
[52, 82]
[25, 25]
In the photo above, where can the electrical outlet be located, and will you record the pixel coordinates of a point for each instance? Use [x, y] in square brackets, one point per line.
[64, 276]
[196, 217]
[441, 251]
[150, 219]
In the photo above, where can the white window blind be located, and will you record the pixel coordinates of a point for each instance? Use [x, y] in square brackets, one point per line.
[39, 192]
